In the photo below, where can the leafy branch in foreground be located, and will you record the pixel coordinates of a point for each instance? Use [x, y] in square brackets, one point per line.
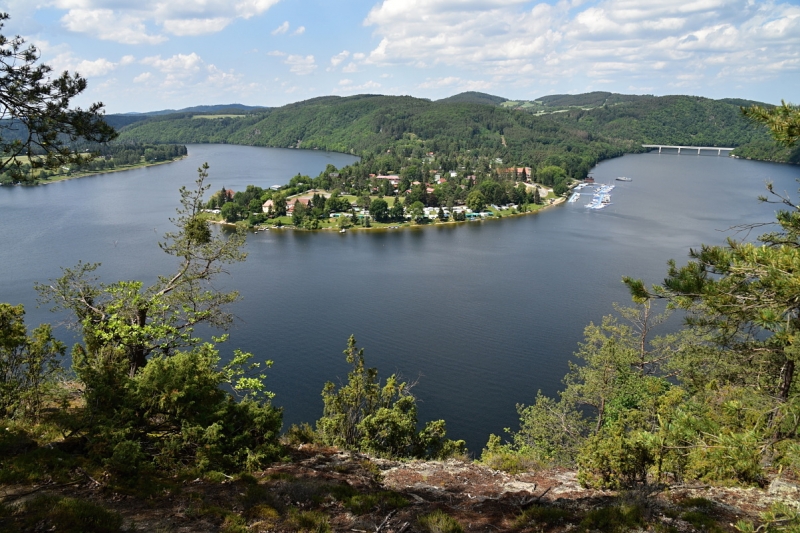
[142, 320]
[36, 123]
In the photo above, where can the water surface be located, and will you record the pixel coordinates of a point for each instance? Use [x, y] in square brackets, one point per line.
[480, 315]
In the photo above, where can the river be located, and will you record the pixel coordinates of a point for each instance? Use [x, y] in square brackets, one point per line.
[480, 315]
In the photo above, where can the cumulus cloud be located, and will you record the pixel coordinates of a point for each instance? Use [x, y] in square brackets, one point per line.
[280, 30]
[301, 65]
[338, 58]
[88, 68]
[518, 40]
[300, 31]
[147, 21]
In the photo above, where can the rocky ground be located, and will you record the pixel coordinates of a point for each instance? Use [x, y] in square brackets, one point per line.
[329, 490]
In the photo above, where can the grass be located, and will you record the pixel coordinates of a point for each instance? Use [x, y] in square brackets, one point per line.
[309, 521]
[66, 515]
[440, 522]
[359, 504]
[612, 519]
[541, 515]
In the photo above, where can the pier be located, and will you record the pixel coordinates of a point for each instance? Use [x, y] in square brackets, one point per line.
[698, 148]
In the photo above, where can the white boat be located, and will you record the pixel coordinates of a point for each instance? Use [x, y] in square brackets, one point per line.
[623, 178]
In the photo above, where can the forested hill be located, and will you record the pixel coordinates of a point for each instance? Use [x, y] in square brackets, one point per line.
[592, 126]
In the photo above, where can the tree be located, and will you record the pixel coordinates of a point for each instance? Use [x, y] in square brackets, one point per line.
[379, 209]
[378, 418]
[783, 121]
[28, 364]
[397, 211]
[537, 198]
[36, 123]
[476, 201]
[142, 320]
[417, 212]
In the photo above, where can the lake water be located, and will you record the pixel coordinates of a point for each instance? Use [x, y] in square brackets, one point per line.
[481, 315]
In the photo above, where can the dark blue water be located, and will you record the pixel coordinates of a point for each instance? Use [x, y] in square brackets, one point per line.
[480, 315]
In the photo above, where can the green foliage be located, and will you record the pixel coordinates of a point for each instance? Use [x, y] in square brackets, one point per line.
[29, 364]
[126, 316]
[175, 410]
[380, 419]
[360, 504]
[67, 515]
[614, 459]
[439, 522]
[779, 518]
[613, 519]
[476, 201]
[506, 457]
[541, 515]
[309, 521]
[38, 123]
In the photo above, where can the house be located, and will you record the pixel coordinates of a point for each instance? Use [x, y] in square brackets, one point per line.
[392, 178]
[268, 207]
[290, 204]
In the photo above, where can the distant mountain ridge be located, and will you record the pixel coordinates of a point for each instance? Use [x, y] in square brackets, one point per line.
[219, 108]
[552, 128]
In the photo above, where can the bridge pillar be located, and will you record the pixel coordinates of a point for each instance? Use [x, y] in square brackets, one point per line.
[679, 149]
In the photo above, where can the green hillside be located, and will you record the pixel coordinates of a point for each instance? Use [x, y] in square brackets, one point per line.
[591, 127]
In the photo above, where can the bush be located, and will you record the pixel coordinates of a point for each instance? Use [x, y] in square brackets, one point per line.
[176, 409]
[440, 522]
[379, 419]
[29, 365]
[66, 515]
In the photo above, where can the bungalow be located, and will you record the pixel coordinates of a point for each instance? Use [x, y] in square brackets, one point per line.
[268, 206]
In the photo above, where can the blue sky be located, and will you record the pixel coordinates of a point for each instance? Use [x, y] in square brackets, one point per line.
[143, 55]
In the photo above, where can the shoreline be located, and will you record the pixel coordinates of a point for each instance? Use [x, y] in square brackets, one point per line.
[67, 178]
[558, 201]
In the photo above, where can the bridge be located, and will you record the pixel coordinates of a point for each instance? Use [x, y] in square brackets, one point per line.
[698, 148]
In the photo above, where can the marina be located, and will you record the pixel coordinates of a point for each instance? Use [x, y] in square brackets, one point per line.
[601, 198]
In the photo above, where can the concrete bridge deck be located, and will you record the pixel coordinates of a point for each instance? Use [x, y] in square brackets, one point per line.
[698, 148]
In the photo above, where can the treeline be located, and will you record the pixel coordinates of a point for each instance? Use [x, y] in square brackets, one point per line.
[104, 157]
[368, 125]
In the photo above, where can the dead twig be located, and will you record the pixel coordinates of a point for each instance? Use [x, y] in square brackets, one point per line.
[385, 521]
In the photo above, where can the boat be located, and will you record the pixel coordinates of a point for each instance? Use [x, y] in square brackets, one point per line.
[342, 230]
[623, 178]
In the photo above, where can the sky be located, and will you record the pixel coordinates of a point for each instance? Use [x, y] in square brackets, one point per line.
[147, 55]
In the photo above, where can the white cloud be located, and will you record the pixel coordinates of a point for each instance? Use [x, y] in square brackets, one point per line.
[110, 26]
[280, 30]
[300, 31]
[630, 41]
[338, 58]
[87, 68]
[146, 21]
[301, 65]
[276, 53]
[188, 74]
[350, 88]
[196, 26]
[351, 67]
